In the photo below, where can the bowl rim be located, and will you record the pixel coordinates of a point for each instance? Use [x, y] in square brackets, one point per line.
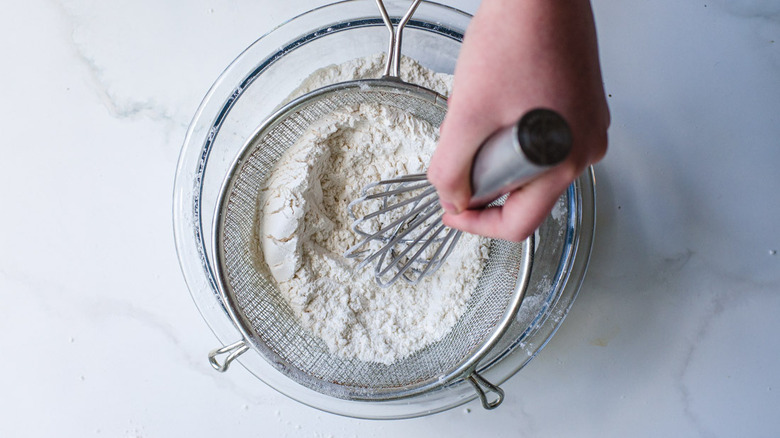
[199, 274]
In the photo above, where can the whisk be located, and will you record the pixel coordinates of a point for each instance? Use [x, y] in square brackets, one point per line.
[402, 216]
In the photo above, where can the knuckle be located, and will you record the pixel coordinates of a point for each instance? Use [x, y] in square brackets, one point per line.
[599, 144]
[596, 143]
[517, 235]
[570, 171]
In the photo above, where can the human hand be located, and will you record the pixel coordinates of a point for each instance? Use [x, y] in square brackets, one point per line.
[517, 56]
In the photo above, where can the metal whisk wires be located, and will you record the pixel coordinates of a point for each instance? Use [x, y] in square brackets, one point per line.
[399, 220]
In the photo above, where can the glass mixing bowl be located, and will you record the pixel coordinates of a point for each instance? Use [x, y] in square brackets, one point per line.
[248, 92]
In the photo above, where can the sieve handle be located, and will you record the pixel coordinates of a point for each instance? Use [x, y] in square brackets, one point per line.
[515, 155]
[393, 62]
[233, 351]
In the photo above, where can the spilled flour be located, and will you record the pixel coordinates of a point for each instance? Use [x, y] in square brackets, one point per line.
[305, 227]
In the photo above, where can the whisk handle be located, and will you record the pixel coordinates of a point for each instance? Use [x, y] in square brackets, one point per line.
[515, 155]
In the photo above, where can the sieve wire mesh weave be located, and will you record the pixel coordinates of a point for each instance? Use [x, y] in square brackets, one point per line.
[267, 319]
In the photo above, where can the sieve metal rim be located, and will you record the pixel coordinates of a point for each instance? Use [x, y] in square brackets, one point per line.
[464, 370]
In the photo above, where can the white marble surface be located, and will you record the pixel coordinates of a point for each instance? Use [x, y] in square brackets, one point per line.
[675, 331]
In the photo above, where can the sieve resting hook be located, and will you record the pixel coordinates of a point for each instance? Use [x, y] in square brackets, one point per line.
[478, 382]
[233, 351]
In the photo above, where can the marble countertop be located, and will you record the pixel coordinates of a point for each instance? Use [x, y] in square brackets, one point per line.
[675, 330]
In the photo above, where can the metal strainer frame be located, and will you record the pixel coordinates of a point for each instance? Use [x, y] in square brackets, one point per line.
[465, 368]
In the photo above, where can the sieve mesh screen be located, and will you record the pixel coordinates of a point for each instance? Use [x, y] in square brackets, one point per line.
[269, 322]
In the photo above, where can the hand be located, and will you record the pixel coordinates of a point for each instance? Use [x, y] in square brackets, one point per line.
[518, 55]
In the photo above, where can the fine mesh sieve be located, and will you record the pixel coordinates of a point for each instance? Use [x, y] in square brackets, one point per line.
[264, 317]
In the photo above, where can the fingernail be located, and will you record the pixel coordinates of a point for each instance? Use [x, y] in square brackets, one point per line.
[448, 207]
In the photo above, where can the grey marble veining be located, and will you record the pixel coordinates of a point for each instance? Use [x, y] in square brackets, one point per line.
[674, 332]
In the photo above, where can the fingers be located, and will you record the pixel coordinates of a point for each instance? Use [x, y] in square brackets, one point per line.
[450, 167]
[475, 111]
[523, 211]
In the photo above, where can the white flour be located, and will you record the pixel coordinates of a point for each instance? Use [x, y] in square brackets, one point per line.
[305, 227]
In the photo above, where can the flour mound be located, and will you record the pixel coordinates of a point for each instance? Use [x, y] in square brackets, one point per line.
[305, 229]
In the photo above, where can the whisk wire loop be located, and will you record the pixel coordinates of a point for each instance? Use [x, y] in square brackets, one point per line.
[428, 263]
[386, 206]
[400, 232]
